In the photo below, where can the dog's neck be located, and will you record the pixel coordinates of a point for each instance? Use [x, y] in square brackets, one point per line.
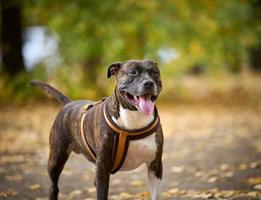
[127, 118]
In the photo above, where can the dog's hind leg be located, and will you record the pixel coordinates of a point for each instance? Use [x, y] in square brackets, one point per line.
[59, 154]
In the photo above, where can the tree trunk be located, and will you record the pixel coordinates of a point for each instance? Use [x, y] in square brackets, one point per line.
[255, 60]
[11, 37]
[90, 68]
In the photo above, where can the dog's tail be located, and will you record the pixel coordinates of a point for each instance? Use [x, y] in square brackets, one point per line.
[51, 91]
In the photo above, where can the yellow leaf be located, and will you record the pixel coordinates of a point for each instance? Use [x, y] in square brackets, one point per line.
[228, 193]
[174, 191]
[116, 181]
[125, 195]
[213, 179]
[177, 169]
[14, 177]
[198, 174]
[242, 166]
[257, 187]
[91, 189]
[143, 195]
[8, 193]
[254, 180]
[223, 167]
[137, 183]
[253, 194]
[229, 174]
[35, 187]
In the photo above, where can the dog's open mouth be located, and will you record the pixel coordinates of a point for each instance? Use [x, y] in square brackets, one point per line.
[144, 103]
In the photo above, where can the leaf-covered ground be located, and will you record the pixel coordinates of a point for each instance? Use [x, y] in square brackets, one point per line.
[212, 151]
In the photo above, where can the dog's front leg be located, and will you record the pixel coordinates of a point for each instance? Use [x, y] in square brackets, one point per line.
[155, 169]
[155, 176]
[103, 168]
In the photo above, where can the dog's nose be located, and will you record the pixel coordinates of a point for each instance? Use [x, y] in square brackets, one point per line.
[148, 84]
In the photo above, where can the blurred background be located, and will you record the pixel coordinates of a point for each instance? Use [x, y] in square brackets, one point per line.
[71, 43]
[209, 54]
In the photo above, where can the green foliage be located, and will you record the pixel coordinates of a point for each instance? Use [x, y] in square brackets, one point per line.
[217, 33]
[92, 34]
[16, 89]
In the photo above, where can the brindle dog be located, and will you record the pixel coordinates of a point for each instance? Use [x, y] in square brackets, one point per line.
[131, 107]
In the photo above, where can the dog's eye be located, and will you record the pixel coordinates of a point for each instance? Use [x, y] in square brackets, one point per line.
[155, 73]
[133, 72]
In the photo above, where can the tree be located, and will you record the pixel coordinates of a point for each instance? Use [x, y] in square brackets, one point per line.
[11, 37]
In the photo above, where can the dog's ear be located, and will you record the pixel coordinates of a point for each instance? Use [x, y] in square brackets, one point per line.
[113, 69]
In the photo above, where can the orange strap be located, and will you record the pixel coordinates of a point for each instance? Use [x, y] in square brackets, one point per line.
[86, 145]
[120, 150]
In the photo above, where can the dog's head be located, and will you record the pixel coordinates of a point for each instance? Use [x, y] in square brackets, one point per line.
[138, 84]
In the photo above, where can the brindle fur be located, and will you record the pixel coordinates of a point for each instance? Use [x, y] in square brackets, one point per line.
[65, 134]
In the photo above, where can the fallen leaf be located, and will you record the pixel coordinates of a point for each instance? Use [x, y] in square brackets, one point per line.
[35, 187]
[177, 169]
[143, 195]
[218, 195]
[254, 165]
[114, 197]
[253, 194]
[229, 174]
[198, 174]
[165, 195]
[91, 189]
[228, 193]
[137, 183]
[173, 191]
[125, 195]
[224, 167]
[67, 172]
[74, 194]
[14, 177]
[8, 193]
[205, 195]
[257, 187]
[212, 179]
[182, 192]
[85, 176]
[116, 181]
[242, 166]
[254, 180]
[10, 159]
[192, 193]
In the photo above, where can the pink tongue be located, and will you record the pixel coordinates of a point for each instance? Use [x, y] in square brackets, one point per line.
[146, 105]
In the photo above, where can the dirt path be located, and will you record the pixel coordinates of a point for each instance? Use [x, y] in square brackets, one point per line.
[211, 152]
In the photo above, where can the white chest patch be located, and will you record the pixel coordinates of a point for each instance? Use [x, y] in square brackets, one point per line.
[142, 150]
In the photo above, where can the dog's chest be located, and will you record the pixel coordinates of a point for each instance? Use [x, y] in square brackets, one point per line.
[141, 150]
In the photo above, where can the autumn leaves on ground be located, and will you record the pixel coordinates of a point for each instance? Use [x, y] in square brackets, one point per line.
[212, 151]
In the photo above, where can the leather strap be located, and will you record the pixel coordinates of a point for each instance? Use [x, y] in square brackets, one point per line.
[125, 135]
[86, 144]
[121, 141]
